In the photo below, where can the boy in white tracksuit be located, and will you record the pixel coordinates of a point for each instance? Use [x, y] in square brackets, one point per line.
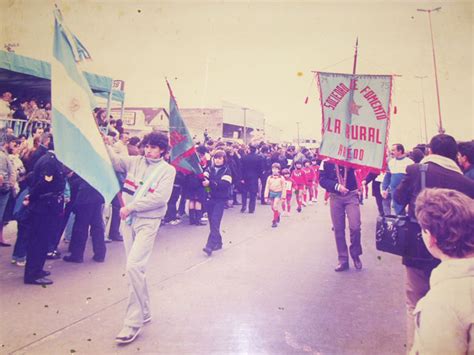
[146, 191]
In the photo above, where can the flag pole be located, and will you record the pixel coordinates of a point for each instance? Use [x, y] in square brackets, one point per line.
[353, 86]
[109, 101]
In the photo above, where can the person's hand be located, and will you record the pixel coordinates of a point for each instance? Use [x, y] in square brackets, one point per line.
[384, 194]
[267, 200]
[124, 213]
[343, 190]
[1, 179]
[205, 183]
[67, 200]
[364, 182]
[26, 200]
[107, 139]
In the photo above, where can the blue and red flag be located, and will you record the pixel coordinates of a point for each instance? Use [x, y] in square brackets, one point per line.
[183, 154]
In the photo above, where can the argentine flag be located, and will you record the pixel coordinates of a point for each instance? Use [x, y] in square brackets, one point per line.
[78, 143]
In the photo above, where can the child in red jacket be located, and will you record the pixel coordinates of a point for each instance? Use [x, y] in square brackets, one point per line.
[315, 165]
[310, 176]
[289, 184]
[299, 179]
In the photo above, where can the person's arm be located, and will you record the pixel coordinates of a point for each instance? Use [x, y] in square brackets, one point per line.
[159, 197]
[222, 184]
[267, 188]
[440, 330]
[402, 195]
[283, 188]
[326, 180]
[120, 163]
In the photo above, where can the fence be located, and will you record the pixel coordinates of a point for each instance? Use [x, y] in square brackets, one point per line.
[22, 126]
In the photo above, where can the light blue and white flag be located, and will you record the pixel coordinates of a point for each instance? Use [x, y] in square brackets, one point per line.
[356, 119]
[78, 143]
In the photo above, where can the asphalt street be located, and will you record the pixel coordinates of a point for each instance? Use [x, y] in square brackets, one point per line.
[269, 291]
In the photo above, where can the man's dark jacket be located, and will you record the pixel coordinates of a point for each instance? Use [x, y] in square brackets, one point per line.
[252, 166]
[436, 176]
[47, 186]
[328, 178]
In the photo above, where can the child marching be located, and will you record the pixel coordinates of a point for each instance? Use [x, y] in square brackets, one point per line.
[289, 184]
[299, 179]
[275, 190]
[315, 166]
[310, 176]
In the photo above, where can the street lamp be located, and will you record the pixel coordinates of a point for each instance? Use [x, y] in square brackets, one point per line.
[298, 132]
[429, 11]
[245, 124]
[418, 104]
[423, 102]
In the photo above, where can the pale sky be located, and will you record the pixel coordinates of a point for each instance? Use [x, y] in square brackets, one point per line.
[251, 53]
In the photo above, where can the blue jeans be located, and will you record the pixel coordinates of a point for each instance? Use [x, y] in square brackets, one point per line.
[21, 244]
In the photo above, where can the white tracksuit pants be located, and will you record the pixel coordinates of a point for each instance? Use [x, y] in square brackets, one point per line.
[138, 238]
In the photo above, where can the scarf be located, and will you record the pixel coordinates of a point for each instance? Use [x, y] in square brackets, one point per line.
[442, 161]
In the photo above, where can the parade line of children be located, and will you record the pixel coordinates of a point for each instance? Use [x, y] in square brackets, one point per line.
[281, 184]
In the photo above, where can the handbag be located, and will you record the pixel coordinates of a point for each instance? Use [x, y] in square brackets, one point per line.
[401, 235]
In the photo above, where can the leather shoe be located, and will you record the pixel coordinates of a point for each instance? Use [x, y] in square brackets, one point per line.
[71, 259]
[41, 281]
[242, 210]
[217, 247]
[357, 263]
[116, 238]
[98, 259]
[342, 267]
[45, 273]
[207, 250]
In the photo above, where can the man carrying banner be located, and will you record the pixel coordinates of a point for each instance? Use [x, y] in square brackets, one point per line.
[146, 191]
[344, 200]
[355, 113]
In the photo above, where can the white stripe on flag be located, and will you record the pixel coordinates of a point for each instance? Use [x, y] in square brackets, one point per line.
[73, 102]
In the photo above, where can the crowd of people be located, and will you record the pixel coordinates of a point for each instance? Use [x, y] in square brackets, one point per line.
[49, 201]
[24, 114]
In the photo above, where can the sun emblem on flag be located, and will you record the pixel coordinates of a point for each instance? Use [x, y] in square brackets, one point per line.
[74, 105]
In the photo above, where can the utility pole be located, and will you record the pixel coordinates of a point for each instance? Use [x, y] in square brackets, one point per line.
[245, 124]
[423, 103]
[418, 104]
[298, 133]
[440, 122]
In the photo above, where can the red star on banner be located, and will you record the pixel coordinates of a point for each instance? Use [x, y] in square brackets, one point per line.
[354, 108]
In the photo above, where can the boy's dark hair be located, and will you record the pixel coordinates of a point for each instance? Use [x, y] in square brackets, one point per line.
[134, 140]
[449, 216]
[276, 165]
[417, 155]
[445, 145]
[467, 149]
[156, 139]
[400, 148]
[285, 172]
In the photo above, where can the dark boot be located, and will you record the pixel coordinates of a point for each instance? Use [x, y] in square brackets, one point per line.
[192, 216]
[198, 218]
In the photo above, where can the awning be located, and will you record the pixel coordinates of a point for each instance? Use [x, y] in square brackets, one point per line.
[31, 75]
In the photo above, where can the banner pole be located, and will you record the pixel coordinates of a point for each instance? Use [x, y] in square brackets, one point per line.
[109, 101]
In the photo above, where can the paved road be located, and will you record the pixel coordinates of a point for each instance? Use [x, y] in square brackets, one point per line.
[269, 291]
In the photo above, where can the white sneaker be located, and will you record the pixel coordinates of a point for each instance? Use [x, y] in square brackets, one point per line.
[127, 335]
[175, 222]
